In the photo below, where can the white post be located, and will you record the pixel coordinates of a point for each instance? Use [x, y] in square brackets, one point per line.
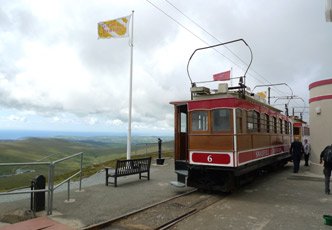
[231, 76]
[131, 44]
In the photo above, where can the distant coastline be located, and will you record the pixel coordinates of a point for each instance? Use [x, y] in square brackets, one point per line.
[23, 134]
[12, 135]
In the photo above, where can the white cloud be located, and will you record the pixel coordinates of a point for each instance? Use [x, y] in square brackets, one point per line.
[16, 118]
[91, 120]
[54, 70]
[115, 122]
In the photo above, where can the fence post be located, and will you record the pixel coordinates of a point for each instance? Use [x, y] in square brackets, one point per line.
[68, 191]
[51, 187]
[32, 196]
[49, 190]
[80, 186]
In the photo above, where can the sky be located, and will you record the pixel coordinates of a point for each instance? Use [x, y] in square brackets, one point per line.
[55, 74]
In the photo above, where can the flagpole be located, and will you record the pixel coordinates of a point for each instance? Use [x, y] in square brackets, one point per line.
[131, 44]
[231, 76]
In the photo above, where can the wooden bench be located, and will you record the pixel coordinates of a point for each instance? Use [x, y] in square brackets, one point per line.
[129, 167]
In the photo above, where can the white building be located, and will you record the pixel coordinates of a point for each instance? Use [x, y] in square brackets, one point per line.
[320, 117]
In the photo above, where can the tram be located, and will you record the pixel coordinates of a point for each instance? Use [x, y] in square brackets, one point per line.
[301, 129]
[224, 136]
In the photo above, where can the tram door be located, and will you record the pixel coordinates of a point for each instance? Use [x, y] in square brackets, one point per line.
[181, 133]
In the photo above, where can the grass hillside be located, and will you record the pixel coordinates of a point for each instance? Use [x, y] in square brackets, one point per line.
[96, 153]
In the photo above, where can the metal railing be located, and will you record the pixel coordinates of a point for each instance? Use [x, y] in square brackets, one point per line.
[50, 182]
[149, 147]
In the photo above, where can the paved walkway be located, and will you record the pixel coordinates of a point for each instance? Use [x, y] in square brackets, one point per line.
[278, 200]
[99, 203]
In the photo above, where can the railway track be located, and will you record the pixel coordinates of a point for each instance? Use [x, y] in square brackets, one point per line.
[162, 215]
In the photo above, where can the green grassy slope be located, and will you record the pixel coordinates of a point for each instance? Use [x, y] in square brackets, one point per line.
[97, 154]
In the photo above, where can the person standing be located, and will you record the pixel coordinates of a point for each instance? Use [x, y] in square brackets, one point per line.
[307, 150]
[326, 156]
[296, 150]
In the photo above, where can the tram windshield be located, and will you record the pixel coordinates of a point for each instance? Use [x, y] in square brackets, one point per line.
[296, 131]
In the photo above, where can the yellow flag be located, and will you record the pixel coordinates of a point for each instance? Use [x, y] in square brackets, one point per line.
[262, 94]
[117, 28]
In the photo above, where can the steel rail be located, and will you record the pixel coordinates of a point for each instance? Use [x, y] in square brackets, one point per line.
[176, 220]
[109, 222]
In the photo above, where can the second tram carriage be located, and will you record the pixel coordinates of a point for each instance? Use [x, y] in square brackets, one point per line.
[301, 129]
[225, 135]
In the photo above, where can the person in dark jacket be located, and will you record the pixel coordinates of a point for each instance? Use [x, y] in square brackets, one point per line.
[296, 150]
[327, 170]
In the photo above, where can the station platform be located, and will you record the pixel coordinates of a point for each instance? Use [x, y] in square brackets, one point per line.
[275, 200]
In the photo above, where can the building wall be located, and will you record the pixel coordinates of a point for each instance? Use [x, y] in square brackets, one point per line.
[320, 120]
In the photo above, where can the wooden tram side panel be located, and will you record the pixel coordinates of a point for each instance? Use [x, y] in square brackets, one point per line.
[211, 142]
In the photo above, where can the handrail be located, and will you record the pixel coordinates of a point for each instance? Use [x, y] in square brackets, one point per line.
[66, 180]
[23, 192]
[66, 158]
[50, 187]
[25, 163]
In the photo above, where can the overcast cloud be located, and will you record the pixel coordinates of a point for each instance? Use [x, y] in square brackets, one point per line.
[56, 75]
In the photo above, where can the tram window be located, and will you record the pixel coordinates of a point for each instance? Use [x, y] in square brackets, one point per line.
[267, 123]
[286, 127]
[306, 131]
[274, 124]
[221, 120]
[281, 126]
[257, 120]
[253, 121]
[199, 121]
[239, 119]
[183, 123]
[263, 123]
[250, 121]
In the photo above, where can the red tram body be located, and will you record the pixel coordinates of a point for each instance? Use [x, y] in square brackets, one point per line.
[223, 136]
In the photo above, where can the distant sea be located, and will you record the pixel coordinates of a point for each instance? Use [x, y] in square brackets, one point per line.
[23, 134]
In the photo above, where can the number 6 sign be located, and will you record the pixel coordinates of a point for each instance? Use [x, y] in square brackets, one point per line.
[210, 158]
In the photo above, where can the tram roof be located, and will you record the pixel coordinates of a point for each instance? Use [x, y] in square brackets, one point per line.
[228, 100]
[224, 97]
